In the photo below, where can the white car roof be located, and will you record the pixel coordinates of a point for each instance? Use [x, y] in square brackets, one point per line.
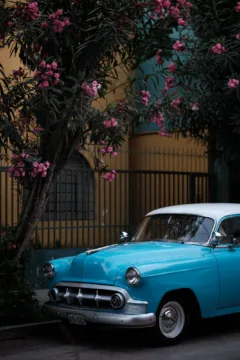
[215, 211]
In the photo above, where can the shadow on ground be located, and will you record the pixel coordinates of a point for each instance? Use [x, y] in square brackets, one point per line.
[116, 339]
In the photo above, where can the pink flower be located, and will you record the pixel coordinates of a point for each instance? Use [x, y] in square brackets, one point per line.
[54, 65]
[166, 4]
[182, 22]
[237, 8]
[115, 153]
[110, 149]
[42, 64]
[172, 67]
[47, 164]
[218, 49]
[66, 22]
[44, 174]
[238, 36]
[145, 95]
[59, 12]
[35, 164]
[109, 176]
[158, 118]
[45, 84]
[159, 56]
[49, 73]
[189, 4]
[174, 11]
[178, 46]
[175, 103]
[10, 23]
[14, 246]
[194, 106]
[233, 83]
[32, 11]
[181, 2]
[44, 24]
[103, 151]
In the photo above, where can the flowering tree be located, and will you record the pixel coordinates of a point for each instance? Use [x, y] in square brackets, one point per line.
[205, 101]
[70, 51]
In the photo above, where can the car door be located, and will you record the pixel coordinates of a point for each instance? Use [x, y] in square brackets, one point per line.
[228, 260]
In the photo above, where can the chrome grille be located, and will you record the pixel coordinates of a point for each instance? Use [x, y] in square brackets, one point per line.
[80, 295]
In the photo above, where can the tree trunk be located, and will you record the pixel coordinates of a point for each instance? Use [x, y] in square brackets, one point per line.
[33, 211]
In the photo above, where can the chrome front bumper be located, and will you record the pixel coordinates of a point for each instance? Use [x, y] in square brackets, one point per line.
[101, 317]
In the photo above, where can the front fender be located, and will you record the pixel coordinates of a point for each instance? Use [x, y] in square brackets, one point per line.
[61, 266]
[199, 275]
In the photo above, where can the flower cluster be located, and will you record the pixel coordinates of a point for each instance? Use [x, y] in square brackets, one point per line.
[238, 36]
[145, 95]
[18, 73]
[233, 83]
[179, 46]
[57, 23]
[110, 123]
[47, 74]
[91, 90]
[173, 9]
[109, 176]
[17, 170]
[218, 49]
[172, 67]
[159, 57]
[237, 8]
[33, 11]
[40, 169]
[170, 83]
[175, 103]
[108, 150]
[12, 247]
[158, 119]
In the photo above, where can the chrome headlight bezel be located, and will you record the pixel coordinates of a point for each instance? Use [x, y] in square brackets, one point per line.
[133, 276]
[48, 270]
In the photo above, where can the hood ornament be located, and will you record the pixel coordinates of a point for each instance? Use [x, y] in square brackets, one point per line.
[88, 252]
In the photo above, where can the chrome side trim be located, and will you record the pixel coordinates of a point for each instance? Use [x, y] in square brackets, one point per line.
[107, 318]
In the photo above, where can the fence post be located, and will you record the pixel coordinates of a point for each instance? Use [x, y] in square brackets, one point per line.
[192, 189]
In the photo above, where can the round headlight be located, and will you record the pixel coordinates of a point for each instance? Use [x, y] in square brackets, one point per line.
[48, 270]
[133, 276]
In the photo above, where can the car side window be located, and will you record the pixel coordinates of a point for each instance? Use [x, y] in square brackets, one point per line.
[230, 229]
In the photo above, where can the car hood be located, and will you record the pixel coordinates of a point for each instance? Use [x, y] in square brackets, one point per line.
[102, 265]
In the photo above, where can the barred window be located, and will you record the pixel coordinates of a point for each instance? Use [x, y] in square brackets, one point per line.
[72, 193]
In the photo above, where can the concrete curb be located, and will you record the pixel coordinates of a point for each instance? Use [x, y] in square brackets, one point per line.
[26, 330]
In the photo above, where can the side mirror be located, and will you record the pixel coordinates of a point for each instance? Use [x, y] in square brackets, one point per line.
[124, 237]
[216, 238]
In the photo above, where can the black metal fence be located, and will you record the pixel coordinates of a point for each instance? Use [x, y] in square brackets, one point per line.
[86, 211]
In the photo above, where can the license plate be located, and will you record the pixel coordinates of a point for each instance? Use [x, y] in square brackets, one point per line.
[77, 319]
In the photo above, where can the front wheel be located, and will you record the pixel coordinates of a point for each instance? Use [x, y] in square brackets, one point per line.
[173, 320]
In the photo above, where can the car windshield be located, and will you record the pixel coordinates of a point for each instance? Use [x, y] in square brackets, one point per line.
[181, 228]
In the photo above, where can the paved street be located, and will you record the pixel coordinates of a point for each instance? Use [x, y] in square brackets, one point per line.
[215, 340]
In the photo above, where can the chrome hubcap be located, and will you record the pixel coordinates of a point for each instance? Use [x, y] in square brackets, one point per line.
[171, 319]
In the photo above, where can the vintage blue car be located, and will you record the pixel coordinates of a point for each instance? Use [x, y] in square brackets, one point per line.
[181, 265]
